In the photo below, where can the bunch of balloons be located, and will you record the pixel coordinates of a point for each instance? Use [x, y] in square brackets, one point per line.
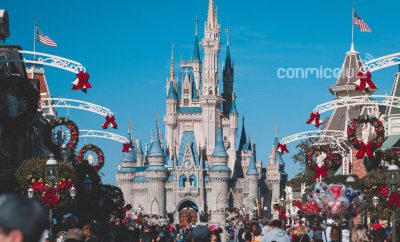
[333, 199]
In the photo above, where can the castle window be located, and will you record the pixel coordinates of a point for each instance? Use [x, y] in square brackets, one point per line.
[185, 102]
[182, 181]
[186, 91]
[193, 181]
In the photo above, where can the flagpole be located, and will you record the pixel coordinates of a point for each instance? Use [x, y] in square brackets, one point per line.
[34, 49]
[352, 28]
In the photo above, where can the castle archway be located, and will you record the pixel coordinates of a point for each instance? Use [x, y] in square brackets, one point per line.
[188, 211]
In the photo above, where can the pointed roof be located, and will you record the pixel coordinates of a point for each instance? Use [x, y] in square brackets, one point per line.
[139, 147]
[129, 156]
[212, 20]
[196, 50]
[188, 146]
[156, 149]
[233, 109]
[278, 155]
[219, 146]
[228, 67]
[243, 145]
[171, 92]
[172, 67]
[252, 169]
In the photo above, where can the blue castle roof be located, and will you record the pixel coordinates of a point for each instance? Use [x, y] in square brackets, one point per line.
[129, 156]
[252, 169]
[139, 179]
[220, 168]
[171, 92]
[139, 148]
[196, 50]
[156, 149]
[188, 140]
[278, 156]
[219, 147]
[233, 109]
[132, 169]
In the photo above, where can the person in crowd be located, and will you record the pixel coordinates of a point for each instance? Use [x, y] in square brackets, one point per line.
[326, 235]
[146, 236]
[311, 233]
[215, 237]
[377, 233]
[335, 234]
[276, 234]
[88, 232]
[75, 235]
[301, 234]
[360, 234]
[318, 233]
[257, 237]
[247, 236]
[15, 226]
[266, 228]
[201, 233]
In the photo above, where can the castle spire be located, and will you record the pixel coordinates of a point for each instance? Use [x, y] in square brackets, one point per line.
[172, 66]
[156, 149]
[196, 49]
[211, 14]
[252, 169]
[243, 145]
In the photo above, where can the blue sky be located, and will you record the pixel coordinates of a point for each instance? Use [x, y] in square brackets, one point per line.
[125, 46]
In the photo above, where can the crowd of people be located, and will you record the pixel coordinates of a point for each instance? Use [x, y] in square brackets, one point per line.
[24, 220]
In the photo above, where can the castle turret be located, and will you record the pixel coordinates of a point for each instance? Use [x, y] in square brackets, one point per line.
[233, 126]
[171, 107]
[139, 153]
[227, 74]
[196, 61]
[219, 174]
[156, 174]
[252, 179]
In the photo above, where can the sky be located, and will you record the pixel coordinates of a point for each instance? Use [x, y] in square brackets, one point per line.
[125, 46]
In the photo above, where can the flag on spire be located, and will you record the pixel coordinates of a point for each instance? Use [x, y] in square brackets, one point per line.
[361, 23]
[44, 39]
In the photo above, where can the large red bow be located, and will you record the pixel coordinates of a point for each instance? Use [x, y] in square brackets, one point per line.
[126, 147]
[110, 119]
[281, 148]
[314, 119]
[364, 81]
[320, 172]
[365, 149]
[394, 200]
[81, 82]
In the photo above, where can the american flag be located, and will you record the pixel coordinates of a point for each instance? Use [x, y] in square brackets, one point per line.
[360, 22]
[44, 39]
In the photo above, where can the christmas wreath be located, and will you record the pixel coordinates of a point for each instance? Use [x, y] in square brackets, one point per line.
[97, 150]
[331, 160]
[48, 133]
[50, 195]
[365, 148]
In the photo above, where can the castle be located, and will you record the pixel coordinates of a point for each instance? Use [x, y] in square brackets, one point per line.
[201, 167]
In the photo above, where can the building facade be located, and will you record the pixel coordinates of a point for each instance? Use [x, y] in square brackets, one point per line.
[201, 167]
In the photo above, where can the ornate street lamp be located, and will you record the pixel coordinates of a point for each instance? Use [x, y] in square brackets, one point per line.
[30, 192]
[375, 201]
[51, 169]
[72, 192]
[350, 180]
[393, 179]
[87, 184]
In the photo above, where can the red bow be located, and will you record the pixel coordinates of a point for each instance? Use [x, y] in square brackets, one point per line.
[384, 191]
[365, 149]
[110, 119]
[394, 200]
[126, 147]
[281, 148]
[81, 82]
[314, 119]
[364, 81]
[320, 172]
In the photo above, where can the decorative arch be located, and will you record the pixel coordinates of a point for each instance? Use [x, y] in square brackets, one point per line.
[184, 203]
[182, 180]
[230, 199]
[157, 204]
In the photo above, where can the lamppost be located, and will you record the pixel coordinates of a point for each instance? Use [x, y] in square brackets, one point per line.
[51, 175]
[393, 179]
[30, 192]
[255, 212]
[265, 212]
[349, 181]
[375, 201]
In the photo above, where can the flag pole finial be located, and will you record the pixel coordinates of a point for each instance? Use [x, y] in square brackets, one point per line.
[352, 28]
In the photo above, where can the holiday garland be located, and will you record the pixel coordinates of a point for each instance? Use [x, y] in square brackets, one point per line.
[50, 195]
[369, 147]
[48, 132]
[332, 160]
[97, 150]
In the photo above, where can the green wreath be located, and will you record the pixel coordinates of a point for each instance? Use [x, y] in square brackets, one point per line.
[97, 150]
[372, 145]
[332, 160]
[48, 132]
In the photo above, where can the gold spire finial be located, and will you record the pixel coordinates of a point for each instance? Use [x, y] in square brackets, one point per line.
[172, 66]
[196, 26]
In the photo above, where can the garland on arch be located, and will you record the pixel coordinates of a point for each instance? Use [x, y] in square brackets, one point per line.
[97, 150]
[371, 146]
[331, 161]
